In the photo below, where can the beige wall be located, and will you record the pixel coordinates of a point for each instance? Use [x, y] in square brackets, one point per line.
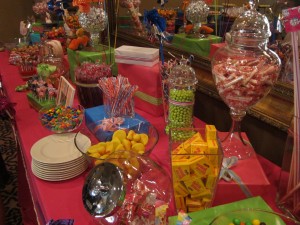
[11, 13]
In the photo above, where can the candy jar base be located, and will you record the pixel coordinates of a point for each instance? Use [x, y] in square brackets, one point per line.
[234, 144]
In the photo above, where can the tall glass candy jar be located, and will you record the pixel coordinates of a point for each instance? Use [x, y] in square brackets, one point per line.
[244, 72]
[182, 85]
[94, 21]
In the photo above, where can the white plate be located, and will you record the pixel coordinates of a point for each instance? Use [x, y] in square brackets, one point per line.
[60, 168]
[58, 177]
[56, 148]
[59, 173]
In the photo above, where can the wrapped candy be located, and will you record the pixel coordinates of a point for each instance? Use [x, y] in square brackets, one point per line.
[127, 189]
[118, 96]
[40, 8]
[87, 76]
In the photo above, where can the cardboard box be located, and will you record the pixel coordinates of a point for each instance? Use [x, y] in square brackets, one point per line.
[137, 55]
[94, 115]
[148, 79]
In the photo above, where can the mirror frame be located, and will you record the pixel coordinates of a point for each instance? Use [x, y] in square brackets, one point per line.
[275, 109]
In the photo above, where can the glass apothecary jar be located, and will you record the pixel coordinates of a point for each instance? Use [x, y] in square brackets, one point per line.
[181, 87]
[127, 188]
[244, 71]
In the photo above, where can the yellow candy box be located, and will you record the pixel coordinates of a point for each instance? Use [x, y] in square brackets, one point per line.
[196, 163]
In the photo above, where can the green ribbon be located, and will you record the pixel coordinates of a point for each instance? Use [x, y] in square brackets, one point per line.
[148, 98]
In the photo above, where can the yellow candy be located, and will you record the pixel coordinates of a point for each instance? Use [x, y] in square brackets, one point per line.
[137, 137]
[144, 139]
[130, 135]
[127, 144]
[121, 134]
[138, 147]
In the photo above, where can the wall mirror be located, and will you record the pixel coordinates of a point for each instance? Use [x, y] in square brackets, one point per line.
[124, 34]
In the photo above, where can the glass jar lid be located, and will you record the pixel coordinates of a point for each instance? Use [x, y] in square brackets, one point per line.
[183, 74]
[251, 24]
[103, 191]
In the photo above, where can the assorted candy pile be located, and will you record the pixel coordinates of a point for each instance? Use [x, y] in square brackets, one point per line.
[25, 55]
[242, 82]
[61, 119]
[237, 221]
[90, 73]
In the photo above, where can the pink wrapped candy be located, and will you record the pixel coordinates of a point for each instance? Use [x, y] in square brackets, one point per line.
[243, 82]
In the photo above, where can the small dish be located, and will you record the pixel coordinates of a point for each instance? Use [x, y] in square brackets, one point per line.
[61, 119]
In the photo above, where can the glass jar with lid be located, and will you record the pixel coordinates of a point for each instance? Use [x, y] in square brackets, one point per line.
[57, 62]
[127, 188]
[244, 71]
[182, 86]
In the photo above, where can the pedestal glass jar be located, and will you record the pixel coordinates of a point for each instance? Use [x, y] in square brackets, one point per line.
[182, 85]
[196, 13]
[94, 21]
[244, 71]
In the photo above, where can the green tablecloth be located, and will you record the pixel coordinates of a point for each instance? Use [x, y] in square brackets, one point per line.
[199, 46]
[76, 57]
[206, 216]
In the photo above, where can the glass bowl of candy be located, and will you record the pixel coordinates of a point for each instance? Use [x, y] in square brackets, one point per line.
[61, 119]
[116, 134]
[127, 188]
[253, 216]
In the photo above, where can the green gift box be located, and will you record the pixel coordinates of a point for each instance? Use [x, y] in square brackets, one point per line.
[207, 216]
[77, 57]
[201, 46]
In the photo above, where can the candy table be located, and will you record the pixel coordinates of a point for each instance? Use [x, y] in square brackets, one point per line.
[62, 200]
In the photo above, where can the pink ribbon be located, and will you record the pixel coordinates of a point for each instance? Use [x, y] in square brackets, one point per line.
[110, 124]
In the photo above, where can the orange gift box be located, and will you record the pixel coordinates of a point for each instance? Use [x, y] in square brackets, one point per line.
[149, 95]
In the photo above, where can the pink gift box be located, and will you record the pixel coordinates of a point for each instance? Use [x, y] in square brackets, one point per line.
[149, 95]
[251, 174]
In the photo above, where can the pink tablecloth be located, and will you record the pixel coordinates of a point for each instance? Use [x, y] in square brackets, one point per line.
[58, 200]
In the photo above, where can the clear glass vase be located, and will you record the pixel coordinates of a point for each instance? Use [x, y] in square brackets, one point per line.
[196, 13]
[94, 21]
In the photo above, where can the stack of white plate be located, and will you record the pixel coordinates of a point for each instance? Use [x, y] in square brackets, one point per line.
[56, 158]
